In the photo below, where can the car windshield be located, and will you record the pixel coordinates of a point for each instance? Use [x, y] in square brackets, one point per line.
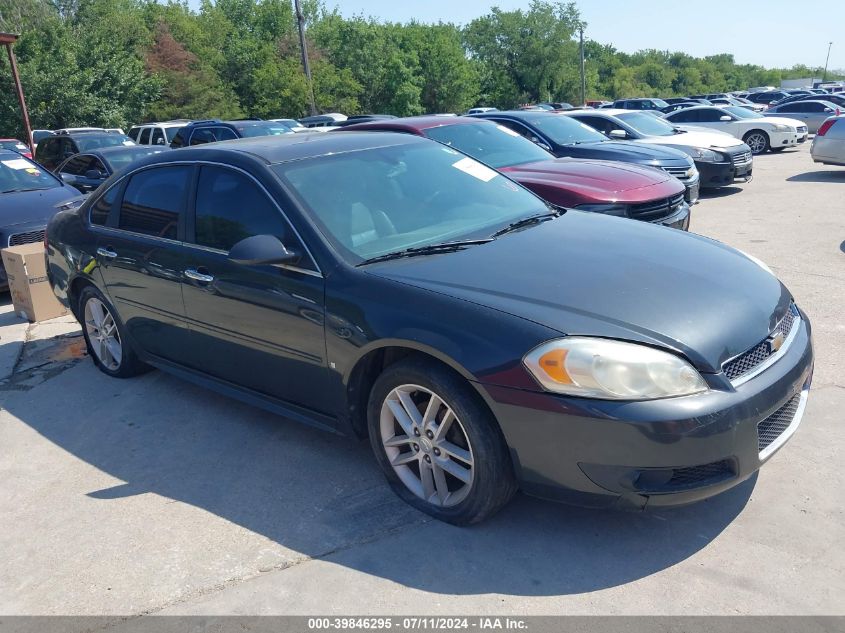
[492, 144]
[565, 130]
[384, 200]
[119, 159]
[95, 141]
[263, 129]
[647, 125]
[741, 113]
[15, 145]
[19, 174]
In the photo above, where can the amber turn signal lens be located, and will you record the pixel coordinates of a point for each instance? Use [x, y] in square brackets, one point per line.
[552, 362]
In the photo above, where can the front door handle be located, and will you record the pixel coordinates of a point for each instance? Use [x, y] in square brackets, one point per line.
[105, 252]
[198, 276]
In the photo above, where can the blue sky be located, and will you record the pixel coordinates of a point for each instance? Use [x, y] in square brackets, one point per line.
[772, 33]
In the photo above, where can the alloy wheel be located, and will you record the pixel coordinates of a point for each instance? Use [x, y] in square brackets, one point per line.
[426, 445]
[103, 334]
[757, 143]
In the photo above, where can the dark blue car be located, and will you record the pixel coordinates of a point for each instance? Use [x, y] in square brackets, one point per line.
[29, 197]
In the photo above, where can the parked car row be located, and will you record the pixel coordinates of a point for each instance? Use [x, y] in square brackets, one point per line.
[379, 281]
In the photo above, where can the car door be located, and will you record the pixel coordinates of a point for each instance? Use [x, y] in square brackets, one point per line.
[141, 257]
[815, 114]
[259, 327]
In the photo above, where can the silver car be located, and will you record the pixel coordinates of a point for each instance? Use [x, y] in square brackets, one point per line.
[829, 145]
[813, 113]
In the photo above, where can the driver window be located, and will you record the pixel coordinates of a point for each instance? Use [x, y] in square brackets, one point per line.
[230, 207]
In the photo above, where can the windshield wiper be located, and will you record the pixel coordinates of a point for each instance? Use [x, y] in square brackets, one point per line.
[429, 249]
[530, 220]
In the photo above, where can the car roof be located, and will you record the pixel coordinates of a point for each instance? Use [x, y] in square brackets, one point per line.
[601, 112]
[820, 99]
[288, 147]
[413, 123]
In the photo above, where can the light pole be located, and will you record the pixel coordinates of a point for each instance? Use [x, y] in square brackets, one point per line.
[583, 75]
[824, 76]
[300, 21]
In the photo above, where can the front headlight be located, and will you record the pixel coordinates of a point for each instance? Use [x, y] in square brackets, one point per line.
[707, 155]
[780, 127]
[620, 210]
[611, 370]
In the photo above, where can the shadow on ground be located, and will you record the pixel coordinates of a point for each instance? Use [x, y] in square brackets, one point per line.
[819, 176]
[320, 494]
[722, 192]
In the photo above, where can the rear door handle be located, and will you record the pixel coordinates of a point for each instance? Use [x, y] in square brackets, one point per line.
[198, 276]
[105, 252]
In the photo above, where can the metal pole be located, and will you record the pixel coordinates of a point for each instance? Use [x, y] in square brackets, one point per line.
[21, 100]
[583, 70]
[300, 20]
[824, 76]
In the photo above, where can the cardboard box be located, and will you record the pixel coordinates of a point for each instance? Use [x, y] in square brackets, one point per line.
[32, 296]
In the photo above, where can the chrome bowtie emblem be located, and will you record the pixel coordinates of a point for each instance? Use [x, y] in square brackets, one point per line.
[775, 342]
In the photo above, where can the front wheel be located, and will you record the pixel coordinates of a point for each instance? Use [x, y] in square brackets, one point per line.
[758, 141]
[437, 443]
[106, 338]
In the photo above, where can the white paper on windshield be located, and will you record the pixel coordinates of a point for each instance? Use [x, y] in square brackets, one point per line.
[128, 142]
[17, 163]
[507, 130]
[475, 169]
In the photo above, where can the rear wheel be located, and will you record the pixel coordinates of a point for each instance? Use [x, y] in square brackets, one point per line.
[437, 443]
[105, 336]
[757, 140]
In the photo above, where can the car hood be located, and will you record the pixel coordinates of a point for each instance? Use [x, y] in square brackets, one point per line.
[596, 275]
[596, 179]
[635, 152]
[33, 206]
[782, 120]
[695, 138]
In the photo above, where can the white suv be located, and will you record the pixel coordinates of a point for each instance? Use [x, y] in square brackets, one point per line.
[157, 133]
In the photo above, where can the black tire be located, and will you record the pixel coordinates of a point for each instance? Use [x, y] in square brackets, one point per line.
[130, 365]
[763, 147]
[493, 482]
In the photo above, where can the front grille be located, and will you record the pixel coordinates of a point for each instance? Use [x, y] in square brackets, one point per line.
[666, 480]
[678, 172]
[802, 129]
[749, 360]
[26, 238]
[741, 158]
[656, 209]
[771, 428]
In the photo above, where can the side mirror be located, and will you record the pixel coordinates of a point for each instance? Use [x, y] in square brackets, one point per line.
[540, 143]
[620, 134]
[94, 174]
[262, 249]
[725, 117]
[69, 179]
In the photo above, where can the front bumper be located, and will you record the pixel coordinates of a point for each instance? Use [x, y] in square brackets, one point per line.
[654, 453]
[678, 220]
[786, 139]
[715, 175]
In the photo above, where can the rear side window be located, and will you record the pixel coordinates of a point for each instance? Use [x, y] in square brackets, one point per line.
[230, 207]
[158, 137]
[154, 200]
[179, 139]
[133, 133]
[224, 134]
[145, 136]
[101, 208]
[201, 136]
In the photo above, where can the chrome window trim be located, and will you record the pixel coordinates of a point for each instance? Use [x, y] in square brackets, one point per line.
[789, 431]
[771, 360]
[118, 231]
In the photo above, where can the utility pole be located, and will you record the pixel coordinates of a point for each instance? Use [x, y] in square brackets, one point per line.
[7, 39]
[300, 21]
[824, 76]
[583, 70]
